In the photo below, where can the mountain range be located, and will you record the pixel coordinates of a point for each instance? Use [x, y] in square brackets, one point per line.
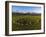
[25, 13]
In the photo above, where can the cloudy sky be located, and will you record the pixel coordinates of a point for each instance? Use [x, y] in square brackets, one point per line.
[26, 9]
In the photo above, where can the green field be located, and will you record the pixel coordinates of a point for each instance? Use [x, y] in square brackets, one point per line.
[26, 22]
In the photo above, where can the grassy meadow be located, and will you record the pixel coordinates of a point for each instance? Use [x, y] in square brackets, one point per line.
[26, 22]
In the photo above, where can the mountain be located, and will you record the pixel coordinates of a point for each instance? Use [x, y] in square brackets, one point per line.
[25, 13]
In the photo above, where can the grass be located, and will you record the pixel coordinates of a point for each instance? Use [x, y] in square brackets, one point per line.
[26, 22]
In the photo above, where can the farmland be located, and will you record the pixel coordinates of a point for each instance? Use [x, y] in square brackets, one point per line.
[26, 22]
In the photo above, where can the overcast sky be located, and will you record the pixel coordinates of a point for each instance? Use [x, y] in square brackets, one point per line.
[26, 9]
